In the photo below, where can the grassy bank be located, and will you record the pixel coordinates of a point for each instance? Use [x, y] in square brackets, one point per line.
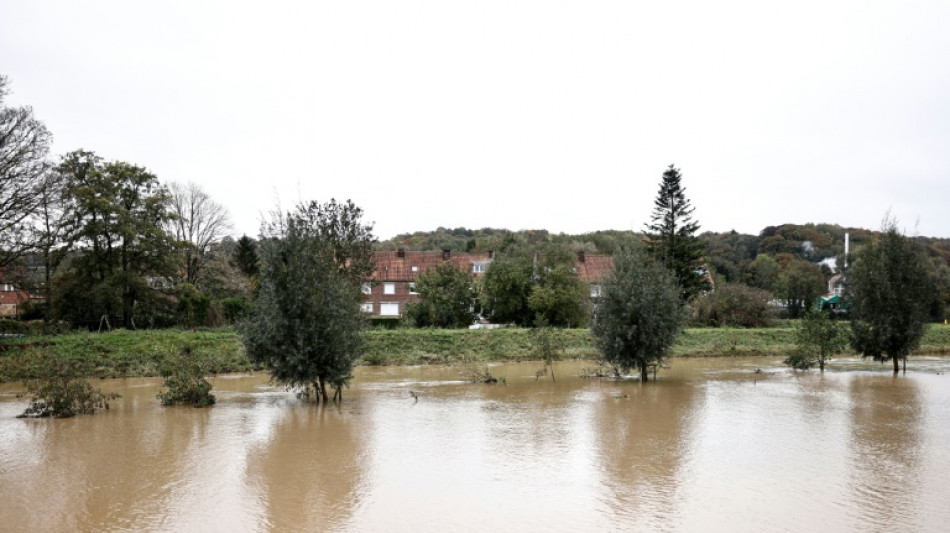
[140, 353]
[124, 353]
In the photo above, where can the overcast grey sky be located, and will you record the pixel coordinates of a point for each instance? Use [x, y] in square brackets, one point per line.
[559, 115]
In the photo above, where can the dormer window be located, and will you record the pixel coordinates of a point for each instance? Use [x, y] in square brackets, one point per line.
[415, 268]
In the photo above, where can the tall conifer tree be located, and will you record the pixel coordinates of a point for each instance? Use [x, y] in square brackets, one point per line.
[671, 237]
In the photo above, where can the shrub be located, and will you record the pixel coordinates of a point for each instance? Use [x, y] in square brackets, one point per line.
[60, 392]
[234, 309]
[818, 338]
[184, 376]
[733, 304]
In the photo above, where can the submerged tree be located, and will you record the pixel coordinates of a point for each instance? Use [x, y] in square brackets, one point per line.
[818, 338]
[889, 286]
[639, 314]
[60, 391]
[184, 375]
[671, 236]
[305, 324]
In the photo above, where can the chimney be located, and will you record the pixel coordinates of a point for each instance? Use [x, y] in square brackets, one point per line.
[580, 256]
[847, 246]
[401, 252]
[446, 254]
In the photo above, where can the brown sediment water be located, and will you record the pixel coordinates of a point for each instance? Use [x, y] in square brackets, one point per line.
[711, 446]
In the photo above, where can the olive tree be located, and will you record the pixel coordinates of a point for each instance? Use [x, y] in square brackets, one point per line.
[305, 325]
[639, 314]
[889, 286]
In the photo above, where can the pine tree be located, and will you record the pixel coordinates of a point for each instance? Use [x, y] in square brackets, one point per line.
[671, 238]
[245, 256]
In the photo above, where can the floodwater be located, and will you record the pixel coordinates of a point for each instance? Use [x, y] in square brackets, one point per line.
[711, 446]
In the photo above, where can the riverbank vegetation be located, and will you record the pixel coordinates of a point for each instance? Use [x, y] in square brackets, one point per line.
[123, 353]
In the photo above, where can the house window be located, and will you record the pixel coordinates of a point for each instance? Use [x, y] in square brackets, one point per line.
[478, 268]
[366, 307]
[367, 288]
[412, 288]
[389, 309]
[595, 291]
[389, 288]
[415, 268]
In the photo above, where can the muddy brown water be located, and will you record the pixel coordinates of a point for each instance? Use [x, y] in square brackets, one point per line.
[712, 446]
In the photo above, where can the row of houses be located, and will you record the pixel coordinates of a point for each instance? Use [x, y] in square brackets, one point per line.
[392, 285]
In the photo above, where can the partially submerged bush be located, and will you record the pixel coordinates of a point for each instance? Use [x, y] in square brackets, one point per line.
[59, 390]
[184, 376]
[818, 337]
[733, 304]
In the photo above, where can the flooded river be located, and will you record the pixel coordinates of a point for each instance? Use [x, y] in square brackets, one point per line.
[711, 446]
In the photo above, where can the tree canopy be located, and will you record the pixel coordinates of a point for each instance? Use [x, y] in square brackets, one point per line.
[639, 314]
[889, 286]
[446, 298]
[118, 212]
[305, 324]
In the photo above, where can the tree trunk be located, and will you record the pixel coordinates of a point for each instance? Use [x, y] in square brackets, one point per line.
[897, 364]
[323, 390]
[821, 363]
[644, 372]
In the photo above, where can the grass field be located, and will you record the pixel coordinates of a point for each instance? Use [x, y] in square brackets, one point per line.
[125, 353]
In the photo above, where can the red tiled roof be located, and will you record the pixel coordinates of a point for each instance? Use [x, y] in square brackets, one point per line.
[13, 297]
[595, 268]
[391, 267]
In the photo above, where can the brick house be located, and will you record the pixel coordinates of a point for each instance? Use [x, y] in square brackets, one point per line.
[391, 286]
[12, 299]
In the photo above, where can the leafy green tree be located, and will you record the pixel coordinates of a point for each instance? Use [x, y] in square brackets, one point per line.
[800, 285]
[305, 325]
[671, 236]
[559, 298]
[638, 315]
[889, 286]
[119, 212]
[818, 338]
[506, 288]
[446, 298]
[763, 272]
